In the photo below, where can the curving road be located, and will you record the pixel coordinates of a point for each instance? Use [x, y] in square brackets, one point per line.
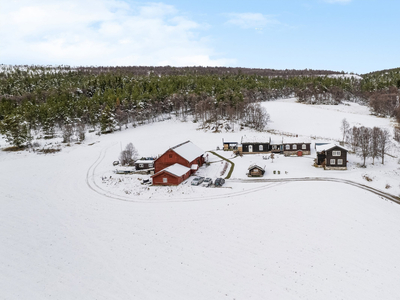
[264, 184]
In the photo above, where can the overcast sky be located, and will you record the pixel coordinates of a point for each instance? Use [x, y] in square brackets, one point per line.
[351, 35]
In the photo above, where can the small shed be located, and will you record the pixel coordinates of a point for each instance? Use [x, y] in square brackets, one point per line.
[256, 171]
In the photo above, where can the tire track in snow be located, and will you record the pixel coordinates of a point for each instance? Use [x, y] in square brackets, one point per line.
[91, 183]
[270, 183]
[380, 193]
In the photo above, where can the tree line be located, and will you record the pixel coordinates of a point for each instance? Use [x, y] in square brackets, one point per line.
[367, 142]
[41, 100]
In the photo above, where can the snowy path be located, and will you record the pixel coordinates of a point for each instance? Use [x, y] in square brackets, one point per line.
[261, 185]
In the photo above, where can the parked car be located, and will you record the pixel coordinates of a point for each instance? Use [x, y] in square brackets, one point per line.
[219, 182]
[207, 182]
[197, 180]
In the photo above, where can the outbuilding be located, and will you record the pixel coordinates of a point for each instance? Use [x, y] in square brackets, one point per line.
[256, 171]
[144, 164]
[172, 175]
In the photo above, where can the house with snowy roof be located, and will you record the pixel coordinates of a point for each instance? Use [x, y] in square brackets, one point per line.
[331, 156]
[255, 144]
[293, 145]
[177, 164]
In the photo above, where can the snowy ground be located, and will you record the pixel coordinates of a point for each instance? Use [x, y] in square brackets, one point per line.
[68, 234]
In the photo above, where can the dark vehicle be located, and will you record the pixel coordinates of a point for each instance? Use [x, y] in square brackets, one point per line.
[197, 180]
[219, 182]
[207, 182]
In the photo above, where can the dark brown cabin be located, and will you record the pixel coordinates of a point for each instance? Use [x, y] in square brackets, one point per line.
[256, 171]
[331, 156]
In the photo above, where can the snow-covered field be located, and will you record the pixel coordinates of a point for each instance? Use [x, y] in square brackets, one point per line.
[69, 231]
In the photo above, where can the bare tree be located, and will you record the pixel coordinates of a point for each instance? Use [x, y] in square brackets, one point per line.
[352, 138]
[129, 155]
[396, 134]
[364, 142]
[344, 128]
[67, 131]
[375, 136]
[80, 130]
[383, 143]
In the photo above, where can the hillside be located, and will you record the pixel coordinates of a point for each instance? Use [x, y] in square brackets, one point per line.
[69, 231]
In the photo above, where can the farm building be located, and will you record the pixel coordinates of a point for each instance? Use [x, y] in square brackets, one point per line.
[254, 145]
[285, 145]
[172, 175]
[144, 164]
[256, 171]
[186, 154]
[295, 146]
[229, 146]
[331, 156]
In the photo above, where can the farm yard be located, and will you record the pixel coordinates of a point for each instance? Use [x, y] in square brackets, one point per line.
[71, 228]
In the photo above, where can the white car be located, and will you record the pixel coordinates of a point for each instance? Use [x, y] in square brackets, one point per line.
[197, 180]
[207, 182]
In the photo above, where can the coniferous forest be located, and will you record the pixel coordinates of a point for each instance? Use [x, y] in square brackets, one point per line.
[42, 100]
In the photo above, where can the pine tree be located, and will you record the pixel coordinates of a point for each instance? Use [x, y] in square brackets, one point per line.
[107, 120]
[16, 130]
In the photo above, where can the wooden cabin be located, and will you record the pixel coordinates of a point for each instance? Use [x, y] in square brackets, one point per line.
[331, 156]
[172, 175]
[186, 154]
[291, 146]
[255, 171]
[144, 164]
[254, 145]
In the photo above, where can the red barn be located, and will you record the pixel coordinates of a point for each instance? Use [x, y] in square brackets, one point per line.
[172, 175]
[186, 154]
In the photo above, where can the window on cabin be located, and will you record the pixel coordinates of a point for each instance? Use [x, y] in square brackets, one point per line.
[150, 165]
[170, 156]
[294, 147]
[260, 148]
[333, 161]
[340, 161]
[336, 153]
[140, 165]
[165, 180]
[304, 147]
[287, 147]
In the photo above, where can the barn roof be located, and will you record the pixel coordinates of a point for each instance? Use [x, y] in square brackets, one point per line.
[175, 169]
[188, 151]
[329, 146]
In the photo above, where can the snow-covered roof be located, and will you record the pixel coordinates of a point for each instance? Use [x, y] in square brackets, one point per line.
[255, 139]
[329, 146]
[256, 166]
[175, 169]
[280, 140]
[147, 161]
[296, 140]
[188, 151]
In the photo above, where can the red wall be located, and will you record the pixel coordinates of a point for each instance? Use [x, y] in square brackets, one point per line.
[172, 180]
[170, 157]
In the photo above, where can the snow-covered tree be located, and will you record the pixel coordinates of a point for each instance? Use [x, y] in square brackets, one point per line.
[15, 130]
